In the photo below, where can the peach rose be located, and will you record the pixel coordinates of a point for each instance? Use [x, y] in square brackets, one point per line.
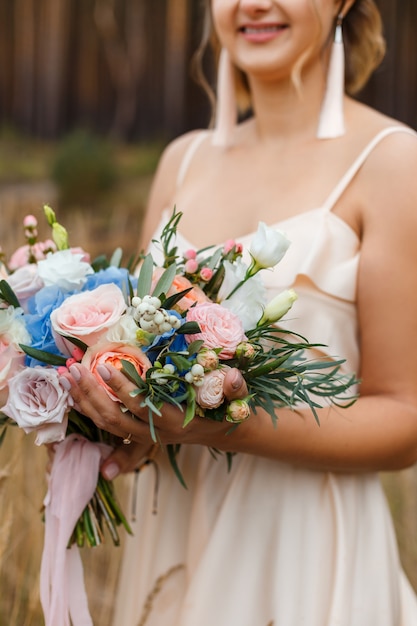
[210, 394]
[112, 354]
[87, 316]
[220, 328]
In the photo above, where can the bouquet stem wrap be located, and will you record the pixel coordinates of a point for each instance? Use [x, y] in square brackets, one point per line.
[72, 484]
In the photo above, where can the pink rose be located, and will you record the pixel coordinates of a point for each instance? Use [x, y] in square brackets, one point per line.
[87, 316]
[112, 354]
[219, 327]
[210, 394]
[25, 282]
[37, 402]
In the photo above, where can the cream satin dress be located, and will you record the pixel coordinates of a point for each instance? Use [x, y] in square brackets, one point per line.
[268, 543]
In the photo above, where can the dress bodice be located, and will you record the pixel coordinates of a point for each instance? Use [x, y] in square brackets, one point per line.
[321, 264]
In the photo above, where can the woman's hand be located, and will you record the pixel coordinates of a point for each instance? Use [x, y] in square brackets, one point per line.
[92, 400]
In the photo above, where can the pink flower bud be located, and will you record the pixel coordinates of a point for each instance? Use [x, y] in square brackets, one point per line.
[228, 246]
[190, 254]
[238, 248]
[191, 266]
[77, 353]
[30, 221]
[206, 273]
[70, 362]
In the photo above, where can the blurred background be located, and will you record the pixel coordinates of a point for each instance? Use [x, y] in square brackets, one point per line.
[90, 93]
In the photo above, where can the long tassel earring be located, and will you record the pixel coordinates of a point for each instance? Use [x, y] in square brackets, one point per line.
[226, 112]
[332, 122]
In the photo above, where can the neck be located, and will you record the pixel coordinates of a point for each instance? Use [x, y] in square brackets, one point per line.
[281, 110]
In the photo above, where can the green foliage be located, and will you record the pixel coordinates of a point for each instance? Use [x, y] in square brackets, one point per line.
[84, 168]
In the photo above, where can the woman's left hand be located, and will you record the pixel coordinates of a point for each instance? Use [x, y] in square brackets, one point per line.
[92, 400]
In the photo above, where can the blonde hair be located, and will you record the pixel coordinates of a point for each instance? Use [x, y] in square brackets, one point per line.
[364, 50]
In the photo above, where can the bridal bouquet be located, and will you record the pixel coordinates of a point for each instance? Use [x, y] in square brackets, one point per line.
[173, 328]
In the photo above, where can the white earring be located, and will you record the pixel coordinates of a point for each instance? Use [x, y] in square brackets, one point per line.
[331, 122]
[226, 112]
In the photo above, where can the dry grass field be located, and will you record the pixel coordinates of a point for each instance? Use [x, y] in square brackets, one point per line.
[22, 465]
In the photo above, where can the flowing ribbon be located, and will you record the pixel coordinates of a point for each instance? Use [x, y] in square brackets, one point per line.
[72, 484]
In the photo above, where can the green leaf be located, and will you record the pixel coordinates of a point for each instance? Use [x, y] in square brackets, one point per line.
[180, 362]
[45, 357]
[8, 295]
[195, 346]
[170, 302]
[165, 282]
[129, 370]
[116, 257]
[190, 406]
[172, 451]
[145, 277]
[77, 342]
[189, 328]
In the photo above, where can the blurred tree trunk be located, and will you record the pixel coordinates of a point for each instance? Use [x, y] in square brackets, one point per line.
[53, 44]
[124, 55]
[176, 65]
[24, 63]
[123, 66]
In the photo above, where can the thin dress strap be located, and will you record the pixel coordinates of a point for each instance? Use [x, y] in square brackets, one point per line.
[355, 167]
[188, 155]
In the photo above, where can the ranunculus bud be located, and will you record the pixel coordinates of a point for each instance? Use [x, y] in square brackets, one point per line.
[237, 411]
[278, 307]
[245, 350]
[208, 359]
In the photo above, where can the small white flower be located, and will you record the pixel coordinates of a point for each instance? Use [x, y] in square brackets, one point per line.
[196, 375]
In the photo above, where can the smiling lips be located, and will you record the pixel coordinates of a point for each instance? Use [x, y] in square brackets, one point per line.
[260, 33]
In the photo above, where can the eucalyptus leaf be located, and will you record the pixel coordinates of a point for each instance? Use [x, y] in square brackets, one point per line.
[165, 281]
[44, 357]
[116, 257]
[8, 295]
[145, 277]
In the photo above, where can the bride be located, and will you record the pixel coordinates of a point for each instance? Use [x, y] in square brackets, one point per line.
[298, 532]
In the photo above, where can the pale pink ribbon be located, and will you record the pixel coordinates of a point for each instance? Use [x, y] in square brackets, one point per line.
[72, 484]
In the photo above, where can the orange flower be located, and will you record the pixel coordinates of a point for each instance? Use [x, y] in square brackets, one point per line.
[112, 354]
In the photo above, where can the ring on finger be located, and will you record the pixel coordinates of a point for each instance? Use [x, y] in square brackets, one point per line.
[128, 439]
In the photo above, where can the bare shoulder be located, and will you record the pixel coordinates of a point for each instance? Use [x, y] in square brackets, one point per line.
[162, 193]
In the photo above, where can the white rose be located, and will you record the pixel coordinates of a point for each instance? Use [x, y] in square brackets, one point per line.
[37, 402]
[124, 331]
[268, 246]
[64, 269]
